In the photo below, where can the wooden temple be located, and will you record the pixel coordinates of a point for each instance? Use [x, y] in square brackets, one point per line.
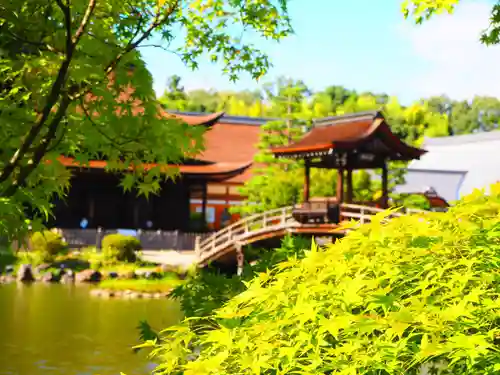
[96, 197]
[346, 143]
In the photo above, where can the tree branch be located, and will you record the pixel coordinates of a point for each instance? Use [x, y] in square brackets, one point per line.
[55, 92]
[110, 140]
[157, 21]
[85, 21]
[40, 150]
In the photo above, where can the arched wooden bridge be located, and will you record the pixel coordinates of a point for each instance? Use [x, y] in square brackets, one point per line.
[275, 223]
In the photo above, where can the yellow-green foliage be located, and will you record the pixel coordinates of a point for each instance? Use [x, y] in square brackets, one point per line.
[390, 298]
[120, 247]
[48, 242]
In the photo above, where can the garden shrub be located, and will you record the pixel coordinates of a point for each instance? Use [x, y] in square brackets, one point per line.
[208, 289]
[390, 298]
[34, 257]
[7, 257]
[48, 243]
[120, 247]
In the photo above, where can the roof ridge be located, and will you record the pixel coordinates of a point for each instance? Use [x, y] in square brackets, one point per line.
[333, 120]
[492, 135]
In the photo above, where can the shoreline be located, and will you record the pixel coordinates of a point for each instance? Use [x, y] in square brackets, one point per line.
[127, 294]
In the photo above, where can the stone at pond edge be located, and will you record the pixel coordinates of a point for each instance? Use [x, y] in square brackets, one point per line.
[88, 276]
[7, 279]
[128, 275]
[25, 274]
[49, 277]
[128, 294]
[68, 277]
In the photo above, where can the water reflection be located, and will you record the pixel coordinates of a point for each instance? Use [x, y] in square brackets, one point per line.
[61, 329]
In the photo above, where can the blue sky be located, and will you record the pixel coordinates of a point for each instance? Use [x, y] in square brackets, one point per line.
[365, 45]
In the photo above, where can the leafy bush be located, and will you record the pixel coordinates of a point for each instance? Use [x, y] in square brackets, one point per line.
[35, 258]
[390, 298]
[120, 247]
[7, 258]
[206, 290]
[48, 243]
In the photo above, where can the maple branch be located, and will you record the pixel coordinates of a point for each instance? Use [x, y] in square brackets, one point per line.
[53, 97]
[40, 151]
[157, 21]
[85, 21]
[111, 140]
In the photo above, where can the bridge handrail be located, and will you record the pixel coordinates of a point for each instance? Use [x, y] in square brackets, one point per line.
[210, 245]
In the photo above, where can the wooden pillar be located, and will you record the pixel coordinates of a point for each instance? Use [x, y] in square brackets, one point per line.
[204, 202]
[240, 259]
[91, 211]
[340, 185]
[385, 186]
[307, 180]
[349, 186]
[136, 212]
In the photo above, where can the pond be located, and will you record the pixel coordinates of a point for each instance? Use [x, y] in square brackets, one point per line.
[62, 330]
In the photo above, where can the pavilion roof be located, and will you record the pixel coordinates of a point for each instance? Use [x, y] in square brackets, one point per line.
[366, 134]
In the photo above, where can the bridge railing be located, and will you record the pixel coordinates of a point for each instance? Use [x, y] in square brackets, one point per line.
[262, 221]
[280, 218]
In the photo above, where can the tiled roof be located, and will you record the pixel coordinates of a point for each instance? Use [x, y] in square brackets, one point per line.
[348, 132]
[217, 169]
[457, 165]
[233, 143]
[204, 119]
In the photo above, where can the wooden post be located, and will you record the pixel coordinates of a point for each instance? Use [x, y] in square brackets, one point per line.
[204, 203]
[98, 239]
[349, 186]
[197, 241]
[307, 179]
[91, 208]
[385, 186]
[136, 213]
[340, 186]
[240, 258]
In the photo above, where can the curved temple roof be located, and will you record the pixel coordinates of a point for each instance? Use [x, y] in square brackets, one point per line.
[195, 120]
[216, 171]
[365, 132]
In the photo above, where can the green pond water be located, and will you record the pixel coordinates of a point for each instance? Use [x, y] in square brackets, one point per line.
[62, 330]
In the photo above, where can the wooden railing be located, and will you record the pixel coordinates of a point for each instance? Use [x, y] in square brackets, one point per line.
[275, 220]
[267, 221]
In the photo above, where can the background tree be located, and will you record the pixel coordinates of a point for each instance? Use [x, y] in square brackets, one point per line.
[74, 84]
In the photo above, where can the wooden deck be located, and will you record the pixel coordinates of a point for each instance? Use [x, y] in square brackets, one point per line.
[226, 244]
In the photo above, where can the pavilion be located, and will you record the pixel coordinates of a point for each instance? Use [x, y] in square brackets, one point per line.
[356, 141]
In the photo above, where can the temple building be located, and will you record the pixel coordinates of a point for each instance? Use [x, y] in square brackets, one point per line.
[209, 186]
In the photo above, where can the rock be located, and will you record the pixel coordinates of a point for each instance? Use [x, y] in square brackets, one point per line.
[9, 270]
[7, 279]
[68, 277]
[113, 275]
[40, 269]
[49, 277]
[95, 292]
[157, 295]
[128, 275]
[25, 274]
[88, 276]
